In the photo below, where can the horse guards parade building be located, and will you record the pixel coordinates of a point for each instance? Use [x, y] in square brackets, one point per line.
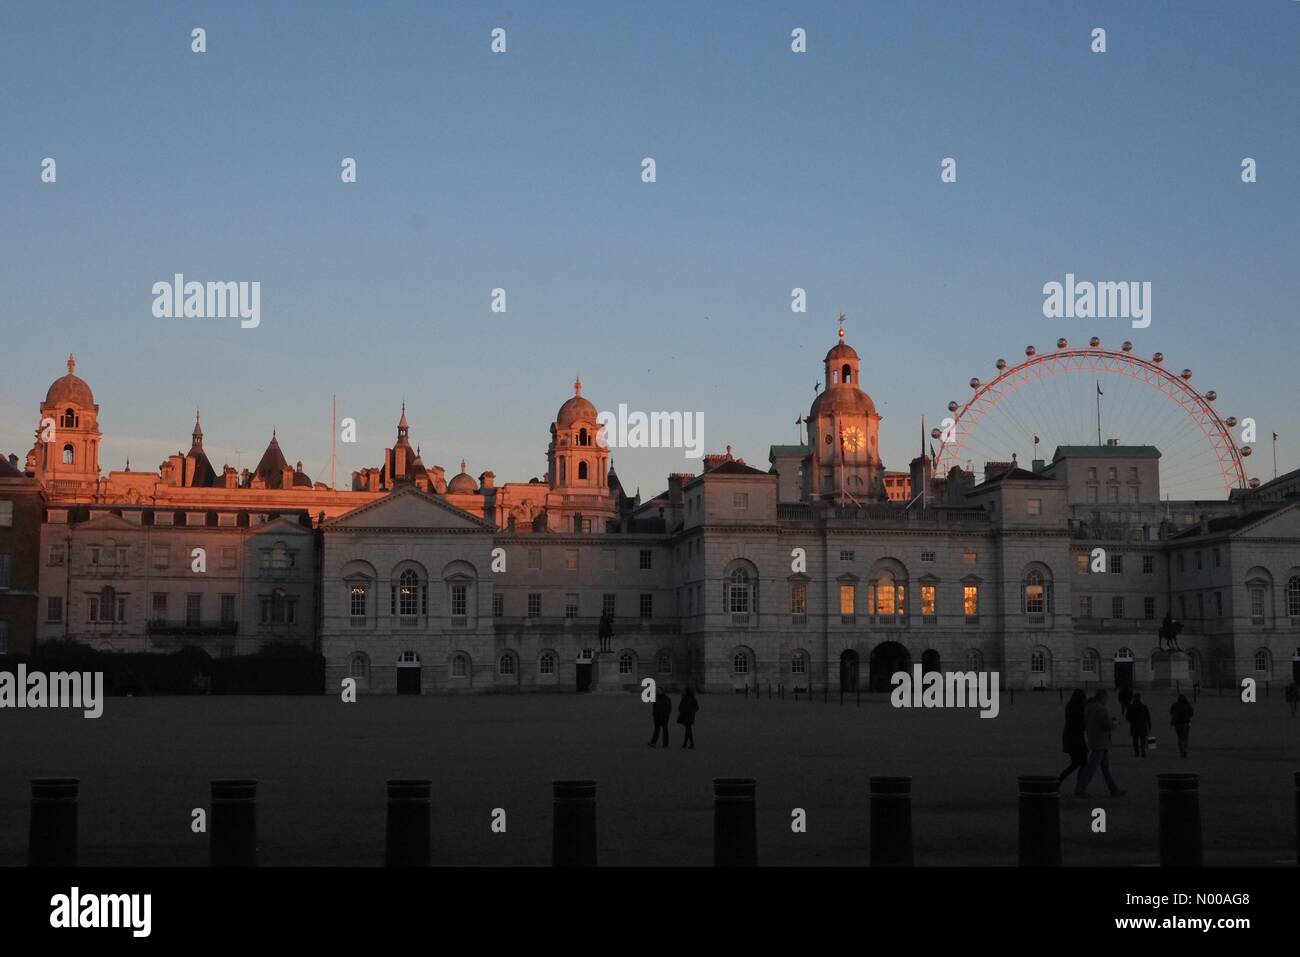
[822, 571]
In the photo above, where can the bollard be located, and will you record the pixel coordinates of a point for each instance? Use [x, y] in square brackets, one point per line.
[1040, 821]
[769, 689]
[858, 693]
[232, 840]
[407, 841]
[1180, 820]
[735, 823]
[52, 838]
[1060, 695]
[891, 822]
[1297, 817]
[573, 832]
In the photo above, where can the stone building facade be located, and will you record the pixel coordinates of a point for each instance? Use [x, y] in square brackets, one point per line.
[821, 571]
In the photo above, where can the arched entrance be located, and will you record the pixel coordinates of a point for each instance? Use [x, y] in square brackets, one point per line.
[849, 670]
[1123, 669]
[929, 661]
[887, 658]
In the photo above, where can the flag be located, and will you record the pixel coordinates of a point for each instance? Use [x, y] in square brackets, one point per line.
[799, 421]
[1099, 392]
[1035, 440]
[1274, 436]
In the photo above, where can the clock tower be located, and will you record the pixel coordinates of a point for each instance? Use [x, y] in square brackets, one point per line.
[844, 432]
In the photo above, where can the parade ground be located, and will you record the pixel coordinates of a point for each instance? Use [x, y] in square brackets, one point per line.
[146, 764]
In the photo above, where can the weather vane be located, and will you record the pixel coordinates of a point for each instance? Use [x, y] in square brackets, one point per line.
[841, 321]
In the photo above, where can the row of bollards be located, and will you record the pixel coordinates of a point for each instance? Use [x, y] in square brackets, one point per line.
[408, 834]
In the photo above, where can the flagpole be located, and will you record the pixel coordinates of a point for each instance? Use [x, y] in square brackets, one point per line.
[1274, 455]
[334, 435]
[1098, 414]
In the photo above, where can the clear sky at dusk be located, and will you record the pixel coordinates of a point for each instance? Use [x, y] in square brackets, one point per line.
[522, 171]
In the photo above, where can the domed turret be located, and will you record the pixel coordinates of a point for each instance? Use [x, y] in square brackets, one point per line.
[67, 437]
[843, 430]
[71, 388]
[462, 483]
[576, 409]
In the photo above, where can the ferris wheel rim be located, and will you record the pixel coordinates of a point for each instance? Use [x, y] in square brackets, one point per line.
[1195, 404]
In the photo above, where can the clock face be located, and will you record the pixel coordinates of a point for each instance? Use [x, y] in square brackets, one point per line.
[853, 438]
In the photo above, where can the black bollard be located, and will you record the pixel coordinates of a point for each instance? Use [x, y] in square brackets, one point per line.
[52, 839]
[1011, 695]
[1297, 817]
[746, 689]
[891, 822]
[232, 834]
[407, 838]
[573, 833]
[769, 690]
[735, 823]
[1060, 695]
[858, 693]
[1180, 820]
[1040, 821]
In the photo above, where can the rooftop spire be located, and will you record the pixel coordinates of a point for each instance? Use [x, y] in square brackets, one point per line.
[402, 423]
[841, 322]
[197, 435]
[72, 364]
[577, 386]
[462, 465]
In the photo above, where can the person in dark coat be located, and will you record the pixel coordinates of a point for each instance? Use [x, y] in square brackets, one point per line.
[686, 717]
[1098, 726]
[1181, 718]
[1072, 738]
[1124, 697]
[660, 710]
[1139, 725]
[606, 630]
[1293, 697]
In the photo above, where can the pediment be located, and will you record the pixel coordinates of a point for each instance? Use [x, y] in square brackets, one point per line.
[1284, 523]
[410, 509]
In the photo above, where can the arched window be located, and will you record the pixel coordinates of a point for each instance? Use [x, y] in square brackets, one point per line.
[738, 592]
[582, 471]
[1091, 663]
[1036, 599]
[1038, 662]
[408, 657]
[563, 472]
[625, 663]
[1293, 596]
[408, 593]
[68, 455]
[799, 663]
[1124, 653]
[460, 666]
[846, 373]
[69, 419]
[506, 666]
[1262, 661]
[546, 664]
[740, 663]
[887, 597]
[665, 663]
[582, 437]
[358, 667]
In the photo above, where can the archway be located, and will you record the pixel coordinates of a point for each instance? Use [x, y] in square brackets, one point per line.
[408, 673]
[929, 661]
[887, 658]
[849, 670]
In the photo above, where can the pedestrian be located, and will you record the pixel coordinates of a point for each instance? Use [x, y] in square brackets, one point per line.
[1181, 714]
[1124, 697]
[660, 710]
[1073, 741]
[1293, 697]
[686, 712]
[1139, 725]
[1098, 726]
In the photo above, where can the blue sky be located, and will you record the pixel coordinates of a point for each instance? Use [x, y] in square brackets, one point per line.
[522, 171]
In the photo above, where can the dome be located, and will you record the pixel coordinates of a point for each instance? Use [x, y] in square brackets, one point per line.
[841, 398]
[300, 478]
[842, 350]
[464, 482]
[70, 389]
[575, 410]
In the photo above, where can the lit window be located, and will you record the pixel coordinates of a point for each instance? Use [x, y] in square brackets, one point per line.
[971, 602]
[357, 601]
[798, 598]
[929, 604]
[847, 601]
[969, 558]
[408, 597]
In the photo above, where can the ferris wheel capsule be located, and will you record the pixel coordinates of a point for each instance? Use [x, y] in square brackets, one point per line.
[1127, 346]
[935, 433]
[1002, 364]
[1246, 450]
[1094, 342]
[1158, 357]
[1030, 350]
[1061, 343]
[1253, 483]
[1230, 421]
[953, 406]
[1211, 396]
[1187, 374]
[974, 383]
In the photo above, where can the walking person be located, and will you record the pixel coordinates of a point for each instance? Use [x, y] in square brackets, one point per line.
[1139, 725]
[1073, 741]
[1124, 697]
[686, 712]
[1293, 697]
[1098, 727]
[660, 710]
[1181, 715]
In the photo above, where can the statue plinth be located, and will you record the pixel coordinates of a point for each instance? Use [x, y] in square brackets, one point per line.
[1169, 669]
[607, 680]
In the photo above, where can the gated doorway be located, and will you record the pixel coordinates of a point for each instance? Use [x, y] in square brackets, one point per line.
[584, 670]
[408, 673]
[1124, 669]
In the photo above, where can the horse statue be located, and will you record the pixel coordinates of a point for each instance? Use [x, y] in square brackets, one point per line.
[1169, 630]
